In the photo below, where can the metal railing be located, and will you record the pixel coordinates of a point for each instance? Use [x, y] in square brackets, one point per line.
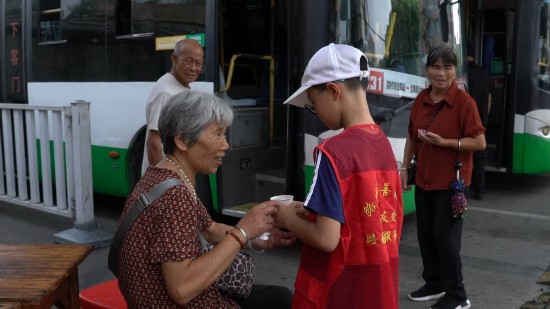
[46, 165]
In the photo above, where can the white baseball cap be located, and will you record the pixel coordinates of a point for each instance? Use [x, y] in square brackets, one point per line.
[331, 63]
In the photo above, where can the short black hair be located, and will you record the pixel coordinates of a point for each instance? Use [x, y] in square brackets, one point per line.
[445, 54]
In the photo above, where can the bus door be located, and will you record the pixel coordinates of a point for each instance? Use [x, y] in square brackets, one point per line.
[513, 50]
[252, 78]
[531, 95]
[495, 27]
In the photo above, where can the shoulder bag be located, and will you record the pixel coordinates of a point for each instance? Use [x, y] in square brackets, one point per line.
[411, 172]
[235, 282]
[238, 279]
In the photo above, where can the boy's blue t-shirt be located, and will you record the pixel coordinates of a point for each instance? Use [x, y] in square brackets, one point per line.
[325, 197]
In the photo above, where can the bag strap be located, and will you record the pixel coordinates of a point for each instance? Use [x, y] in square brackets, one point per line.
[436, 111]
[432, 118]
[142, 202]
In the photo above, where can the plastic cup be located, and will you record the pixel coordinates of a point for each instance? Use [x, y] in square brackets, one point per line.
[283, 199]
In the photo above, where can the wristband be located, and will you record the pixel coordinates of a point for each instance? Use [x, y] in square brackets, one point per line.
[241, 243]
[243, 232]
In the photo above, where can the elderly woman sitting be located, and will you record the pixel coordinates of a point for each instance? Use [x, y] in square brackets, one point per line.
[162, 264]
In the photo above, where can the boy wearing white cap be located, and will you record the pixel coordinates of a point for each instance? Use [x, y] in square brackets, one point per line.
[350, 223]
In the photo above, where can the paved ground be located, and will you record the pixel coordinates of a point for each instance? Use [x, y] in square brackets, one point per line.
[506, 244]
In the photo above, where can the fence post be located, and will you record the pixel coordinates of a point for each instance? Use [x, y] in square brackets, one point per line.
[84, 229]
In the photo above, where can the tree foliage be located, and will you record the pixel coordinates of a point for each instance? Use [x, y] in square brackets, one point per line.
[406, 31]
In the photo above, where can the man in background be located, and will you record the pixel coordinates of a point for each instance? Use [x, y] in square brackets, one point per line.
[478, 87]
[187, 62]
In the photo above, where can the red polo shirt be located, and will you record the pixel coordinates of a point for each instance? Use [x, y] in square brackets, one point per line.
[458, 118]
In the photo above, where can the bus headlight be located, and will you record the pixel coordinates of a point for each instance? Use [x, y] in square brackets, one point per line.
[546, 130]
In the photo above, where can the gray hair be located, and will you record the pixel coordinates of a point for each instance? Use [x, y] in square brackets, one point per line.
[188, 114]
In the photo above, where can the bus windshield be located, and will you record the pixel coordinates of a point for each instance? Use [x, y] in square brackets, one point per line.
[396, 37]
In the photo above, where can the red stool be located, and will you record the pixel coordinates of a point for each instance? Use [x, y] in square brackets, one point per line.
[105, 295]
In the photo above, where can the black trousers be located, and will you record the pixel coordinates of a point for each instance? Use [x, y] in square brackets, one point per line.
[439, 237]
[266, 297]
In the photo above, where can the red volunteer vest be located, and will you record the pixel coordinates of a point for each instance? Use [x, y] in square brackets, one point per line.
[362, 272]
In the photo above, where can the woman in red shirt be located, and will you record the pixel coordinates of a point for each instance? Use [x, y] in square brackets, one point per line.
[444, 126]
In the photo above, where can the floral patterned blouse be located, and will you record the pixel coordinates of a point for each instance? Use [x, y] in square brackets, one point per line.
[166, 231]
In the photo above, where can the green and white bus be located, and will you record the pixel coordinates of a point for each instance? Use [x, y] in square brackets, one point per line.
[111, 52]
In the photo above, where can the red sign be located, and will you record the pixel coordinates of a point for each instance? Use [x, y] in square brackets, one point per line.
[376, 82]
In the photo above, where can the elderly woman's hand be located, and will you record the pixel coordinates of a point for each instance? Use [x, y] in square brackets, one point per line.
[276, 238]
[259, 219]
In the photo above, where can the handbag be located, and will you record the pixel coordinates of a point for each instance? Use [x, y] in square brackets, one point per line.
[238, 279]
[411, 172]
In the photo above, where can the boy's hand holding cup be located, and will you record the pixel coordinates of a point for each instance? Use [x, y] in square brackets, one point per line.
[284, 200]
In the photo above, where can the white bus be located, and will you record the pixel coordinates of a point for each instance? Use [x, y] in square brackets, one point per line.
[111, 52]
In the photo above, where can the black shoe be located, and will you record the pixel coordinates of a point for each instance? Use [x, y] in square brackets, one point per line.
[449, 303]
[425, 293]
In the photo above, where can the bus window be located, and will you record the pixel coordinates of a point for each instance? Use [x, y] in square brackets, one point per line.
[395, 35]
[139, 18]
[50, 21]
[134, 17]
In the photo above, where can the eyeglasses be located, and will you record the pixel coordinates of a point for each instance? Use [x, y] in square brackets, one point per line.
[310, 106]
